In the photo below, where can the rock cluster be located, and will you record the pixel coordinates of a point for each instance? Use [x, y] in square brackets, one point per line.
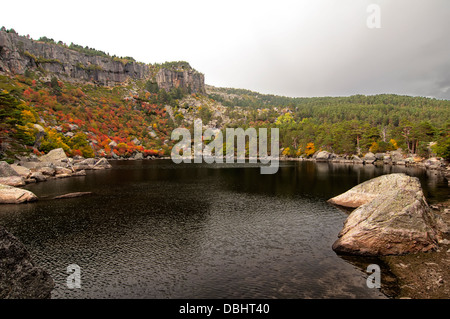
[392, 218]
[53, 165]
[388, 158]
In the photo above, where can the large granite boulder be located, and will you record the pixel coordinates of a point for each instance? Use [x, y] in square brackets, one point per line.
[8, 176]
[21, 170]
[38, 177]
[19, 277]
[138, 156]
[92, 163]
[393, 219]
[369, 158]
[56, 155]
[323, 156]
[357, 160]
[88, 161]
[432, 163]
[12, 181]
[369, 190]
[62, 170]
[103, 162]
[13, 195]
[396, 156]
[6, 170]
[47, 171]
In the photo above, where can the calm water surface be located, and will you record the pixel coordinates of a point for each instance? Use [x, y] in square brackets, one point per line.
[153, 229]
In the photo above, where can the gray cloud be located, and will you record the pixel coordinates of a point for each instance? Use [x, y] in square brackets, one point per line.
[336, 54]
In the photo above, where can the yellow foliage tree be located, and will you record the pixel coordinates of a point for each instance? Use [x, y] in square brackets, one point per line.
[286, 152]
[53, 140]
[28, 116]
[284, 119]
[310, 149]
[374, 147]
[394, 143]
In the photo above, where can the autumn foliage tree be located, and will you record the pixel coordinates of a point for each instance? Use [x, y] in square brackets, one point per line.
[310, 149]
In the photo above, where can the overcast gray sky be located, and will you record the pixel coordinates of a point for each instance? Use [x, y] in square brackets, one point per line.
[293, 48]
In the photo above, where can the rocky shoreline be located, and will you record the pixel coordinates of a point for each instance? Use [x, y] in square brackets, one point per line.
[54, 165]
[392, 158]
[393, 222]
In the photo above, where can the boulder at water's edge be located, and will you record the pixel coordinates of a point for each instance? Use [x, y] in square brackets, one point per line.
[393, 219]
[369, 190]
[14, 195]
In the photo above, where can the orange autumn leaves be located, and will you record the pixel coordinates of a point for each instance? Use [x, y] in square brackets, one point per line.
[108, 122]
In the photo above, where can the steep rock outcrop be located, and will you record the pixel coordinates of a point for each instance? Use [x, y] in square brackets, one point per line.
[18, 53]
[187, 79]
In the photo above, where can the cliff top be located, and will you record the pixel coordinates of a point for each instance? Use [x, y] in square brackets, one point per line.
[172, 65]
[21, 54]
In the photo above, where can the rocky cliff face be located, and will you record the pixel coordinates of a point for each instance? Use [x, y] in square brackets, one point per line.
[18, 54]
[188, 79]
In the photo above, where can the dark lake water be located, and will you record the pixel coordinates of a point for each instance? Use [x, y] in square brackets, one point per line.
[153, 229]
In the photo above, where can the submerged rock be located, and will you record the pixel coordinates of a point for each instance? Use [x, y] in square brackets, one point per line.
[19, 277]
[393, 218]
[72, 195]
